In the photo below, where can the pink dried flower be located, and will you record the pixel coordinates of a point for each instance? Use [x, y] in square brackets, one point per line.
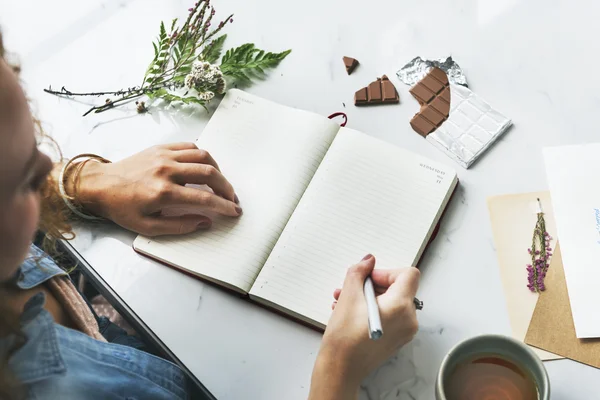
[540, 253]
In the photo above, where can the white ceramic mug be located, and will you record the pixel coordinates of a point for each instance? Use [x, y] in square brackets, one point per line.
[503, 346]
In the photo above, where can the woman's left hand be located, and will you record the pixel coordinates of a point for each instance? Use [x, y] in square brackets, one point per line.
[136, 192]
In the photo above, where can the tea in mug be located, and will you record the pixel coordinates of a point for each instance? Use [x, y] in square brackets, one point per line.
[490, 377]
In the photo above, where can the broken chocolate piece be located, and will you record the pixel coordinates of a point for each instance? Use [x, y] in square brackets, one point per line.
[433, 94]
[351, 64]
[381, 91]
[361, 96]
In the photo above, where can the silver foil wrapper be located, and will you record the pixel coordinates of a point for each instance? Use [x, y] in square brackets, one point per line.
[417, 68]
[471, 128]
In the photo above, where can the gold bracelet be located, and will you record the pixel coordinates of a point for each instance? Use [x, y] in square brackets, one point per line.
[77, 210]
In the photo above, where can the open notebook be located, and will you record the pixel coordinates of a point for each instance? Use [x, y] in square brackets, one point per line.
[316, 199]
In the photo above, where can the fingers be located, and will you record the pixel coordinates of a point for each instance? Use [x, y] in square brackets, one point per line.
[385, 277]
[156, 226]
[399, 296]
[199, 167]
[197, 156]
[406, 283]
[204, 174]
[356, 275]
[179, 146]
[202, 200]
[336, 293]
[378, 291]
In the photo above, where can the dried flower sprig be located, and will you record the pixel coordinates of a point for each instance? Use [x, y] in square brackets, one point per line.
[183, 69]
[540, 252]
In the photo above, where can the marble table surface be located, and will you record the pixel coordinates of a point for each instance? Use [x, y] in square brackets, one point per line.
[532, 60]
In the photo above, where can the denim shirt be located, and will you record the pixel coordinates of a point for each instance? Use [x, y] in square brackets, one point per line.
[61, 363]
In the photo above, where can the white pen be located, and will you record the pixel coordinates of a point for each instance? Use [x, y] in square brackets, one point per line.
[375, 328]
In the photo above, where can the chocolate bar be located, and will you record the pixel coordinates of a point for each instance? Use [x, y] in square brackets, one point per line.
[381, 91]
[472, 127]
[351, 64]
[455, 119]
[433, 93]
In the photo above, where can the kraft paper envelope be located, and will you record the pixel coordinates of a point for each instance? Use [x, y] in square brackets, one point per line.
[513, 219]
[552, 326]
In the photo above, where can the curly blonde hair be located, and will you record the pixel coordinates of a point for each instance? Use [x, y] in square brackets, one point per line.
[54, 223]
[54, 215]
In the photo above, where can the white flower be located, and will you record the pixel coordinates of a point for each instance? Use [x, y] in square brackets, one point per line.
[206, 96]
[206, 79]
[190, 81]
[220, 85]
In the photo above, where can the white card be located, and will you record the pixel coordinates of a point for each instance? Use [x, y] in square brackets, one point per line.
[574, 180]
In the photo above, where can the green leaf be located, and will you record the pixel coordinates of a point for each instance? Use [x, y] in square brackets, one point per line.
[163, 32]
[152, 65]
[184, 51]
[173, 24]
[239, 76]
[177, 54]
[212, 52]
[161, 58]
[181, 40]
[157, 93]
[173, 98]
[186, 69]
[245, 62]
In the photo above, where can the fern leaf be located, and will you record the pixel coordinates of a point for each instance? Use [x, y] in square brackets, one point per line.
[161, 58]
[153, 62]
[173, 98]
[163, 32]
[212, 52]
[176, 55]
[244, 62]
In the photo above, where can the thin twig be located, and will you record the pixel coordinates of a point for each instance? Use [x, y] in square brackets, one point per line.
[109, 105]
[65, 92]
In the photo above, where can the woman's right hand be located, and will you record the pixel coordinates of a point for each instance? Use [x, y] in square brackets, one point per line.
[347, 354]
[139, 191]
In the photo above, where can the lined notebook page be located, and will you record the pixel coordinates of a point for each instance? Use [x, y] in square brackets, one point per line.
[269, 153]
[368, 196]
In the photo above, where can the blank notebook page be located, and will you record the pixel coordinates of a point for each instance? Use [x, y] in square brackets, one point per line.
[367, 197]
[269, 153]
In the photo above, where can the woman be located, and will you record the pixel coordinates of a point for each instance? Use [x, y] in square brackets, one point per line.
[50, 343]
